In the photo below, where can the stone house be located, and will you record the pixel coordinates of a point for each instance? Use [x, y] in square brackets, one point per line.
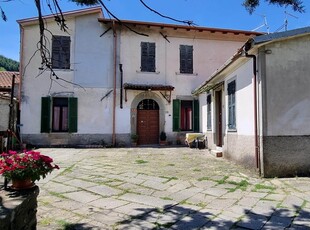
[113, 79]
[255, 108]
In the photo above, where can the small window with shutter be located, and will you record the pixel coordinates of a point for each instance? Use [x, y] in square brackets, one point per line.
[59, 114]
[186, 59]
[147, 57]
[61, 52]
[231, 91]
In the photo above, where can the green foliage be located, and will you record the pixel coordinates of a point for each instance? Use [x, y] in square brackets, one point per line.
[141, 161]
[251, 5]
[85, 2]
[8, 64]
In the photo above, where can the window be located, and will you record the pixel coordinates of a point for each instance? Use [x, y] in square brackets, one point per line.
[186, 59]
[58, 114]
[209, 127]
[185, 115]
[231, 90]
[147, 57]
[61, 52]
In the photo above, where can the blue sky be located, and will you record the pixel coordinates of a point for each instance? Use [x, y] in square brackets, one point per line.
[209, 13]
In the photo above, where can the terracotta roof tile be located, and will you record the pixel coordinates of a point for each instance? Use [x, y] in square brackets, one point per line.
[6, 79]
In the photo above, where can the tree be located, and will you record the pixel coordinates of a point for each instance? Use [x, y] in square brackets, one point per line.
[297, 5]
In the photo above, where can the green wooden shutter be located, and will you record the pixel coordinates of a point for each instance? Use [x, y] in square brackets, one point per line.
[196, 115]
[45, 114]
[176, 115]
[73, 114]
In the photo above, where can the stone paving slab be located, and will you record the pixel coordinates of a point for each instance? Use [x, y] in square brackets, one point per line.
[188, 189]
[82, 196]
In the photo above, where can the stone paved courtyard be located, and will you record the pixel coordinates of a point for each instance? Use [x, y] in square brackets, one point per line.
[165, 188]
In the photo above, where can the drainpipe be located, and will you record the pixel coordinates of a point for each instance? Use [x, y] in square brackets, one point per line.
[257, 155]
[121, 93]
[114, 86]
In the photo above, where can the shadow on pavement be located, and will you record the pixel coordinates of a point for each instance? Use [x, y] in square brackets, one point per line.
[178, 217]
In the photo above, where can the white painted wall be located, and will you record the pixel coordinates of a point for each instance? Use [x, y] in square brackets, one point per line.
[92, 71]
[244, 99]
[287, 85]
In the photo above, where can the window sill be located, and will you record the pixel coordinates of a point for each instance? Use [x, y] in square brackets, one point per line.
[232, 130]
[146, 72]
[65, 70]
[188, 74]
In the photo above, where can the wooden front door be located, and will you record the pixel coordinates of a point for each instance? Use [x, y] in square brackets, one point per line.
[148, 122]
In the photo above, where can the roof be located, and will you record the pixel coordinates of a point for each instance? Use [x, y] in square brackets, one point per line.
[184, 27]
[281, 35]
[74, 13]
[147, 87]
[6, 79]
[251, 43]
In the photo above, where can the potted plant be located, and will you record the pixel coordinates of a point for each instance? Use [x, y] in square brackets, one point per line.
[163, 138]
[134, 139]
[23, 169]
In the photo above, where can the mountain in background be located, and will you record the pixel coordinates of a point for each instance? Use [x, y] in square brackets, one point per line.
[7, 64]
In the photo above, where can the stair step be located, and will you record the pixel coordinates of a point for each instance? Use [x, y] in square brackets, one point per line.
[216, 153]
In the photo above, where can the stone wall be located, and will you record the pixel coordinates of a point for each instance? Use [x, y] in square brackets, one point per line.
[18, 209]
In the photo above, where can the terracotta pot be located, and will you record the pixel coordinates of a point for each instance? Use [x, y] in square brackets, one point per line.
[18, 184]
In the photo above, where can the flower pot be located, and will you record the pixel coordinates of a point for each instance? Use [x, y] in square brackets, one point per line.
[21, 184]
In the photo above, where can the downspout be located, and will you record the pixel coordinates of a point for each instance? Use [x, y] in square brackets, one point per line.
[121, 93]
[114, 86]
[257, 156]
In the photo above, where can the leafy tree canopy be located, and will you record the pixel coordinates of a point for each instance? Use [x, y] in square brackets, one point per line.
[297, 5]
[8, 64]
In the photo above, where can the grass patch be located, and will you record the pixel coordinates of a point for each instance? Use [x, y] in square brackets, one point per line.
[141, 161]
[45, 221]
[223, 180]
[242, 185]
[169, 178]
[67, 170]
[262, 186]
[203, 178]
[66, 225]
[166, 198]
[170, 164]
[57, 195]
[197, 170]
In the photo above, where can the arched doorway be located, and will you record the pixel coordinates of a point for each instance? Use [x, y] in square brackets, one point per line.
[148, 122]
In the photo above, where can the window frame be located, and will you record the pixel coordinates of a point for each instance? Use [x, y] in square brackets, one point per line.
[148, 57]
[209, 111]
[186, 59]
[231, 105]
[177, 108]
[61, 52]
[47, 116]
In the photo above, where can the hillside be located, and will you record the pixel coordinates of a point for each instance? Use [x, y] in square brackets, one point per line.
[8, 64]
